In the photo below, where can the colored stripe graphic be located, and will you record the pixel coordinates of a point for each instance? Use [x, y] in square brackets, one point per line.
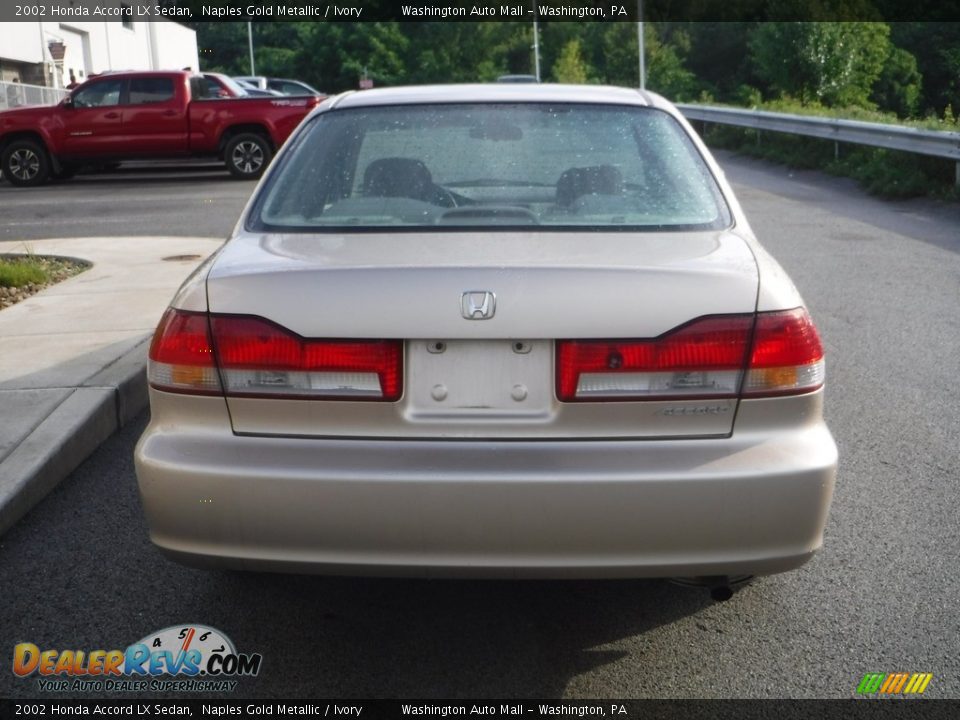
[894, 683]
[918, 683]
[871, 683]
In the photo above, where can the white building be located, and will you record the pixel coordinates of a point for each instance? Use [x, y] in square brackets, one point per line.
[29, 50]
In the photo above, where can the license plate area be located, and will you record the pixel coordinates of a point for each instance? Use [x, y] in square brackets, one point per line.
[476, 379]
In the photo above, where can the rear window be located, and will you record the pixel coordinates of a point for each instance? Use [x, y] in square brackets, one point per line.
[491, 165]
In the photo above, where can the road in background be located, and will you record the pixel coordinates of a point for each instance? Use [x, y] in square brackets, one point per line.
[193, 200]
[882, 281]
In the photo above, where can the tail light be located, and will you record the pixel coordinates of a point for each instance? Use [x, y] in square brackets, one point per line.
[181, 356]
[256, 358]
[703, 359]
[787, 357]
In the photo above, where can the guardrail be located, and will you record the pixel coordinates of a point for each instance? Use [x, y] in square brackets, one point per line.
[936, 143]
[14, 95]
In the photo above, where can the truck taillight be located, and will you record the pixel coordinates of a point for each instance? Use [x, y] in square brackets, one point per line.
[191, 352]
[703, 359]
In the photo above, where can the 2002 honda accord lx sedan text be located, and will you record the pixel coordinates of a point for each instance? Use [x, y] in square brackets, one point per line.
[502, 330]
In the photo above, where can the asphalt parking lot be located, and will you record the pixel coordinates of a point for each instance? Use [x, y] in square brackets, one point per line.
[882, 281]
[198, 200]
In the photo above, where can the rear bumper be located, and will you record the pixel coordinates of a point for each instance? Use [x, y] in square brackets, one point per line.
[754, 503]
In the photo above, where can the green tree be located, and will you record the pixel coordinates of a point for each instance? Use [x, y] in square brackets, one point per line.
[719, 57]
[611, 50]
[336, 55]
[936, 46]
[570, 66]
[898, 87]
[223, 47]
[464, 52]
[666, 73]
[610, 53]
[834, 63]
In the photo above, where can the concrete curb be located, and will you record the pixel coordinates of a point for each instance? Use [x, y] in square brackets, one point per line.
[73, 356]
[71, 432]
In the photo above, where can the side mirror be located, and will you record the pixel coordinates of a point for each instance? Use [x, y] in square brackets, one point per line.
[68, 101]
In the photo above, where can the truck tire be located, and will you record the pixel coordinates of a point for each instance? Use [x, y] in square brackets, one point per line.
[247, 155]
[25, 163]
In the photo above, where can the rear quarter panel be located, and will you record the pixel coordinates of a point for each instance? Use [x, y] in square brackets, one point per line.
[776, 290]
[210, 119]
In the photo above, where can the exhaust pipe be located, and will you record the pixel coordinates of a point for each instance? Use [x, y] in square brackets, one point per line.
[721, 587]
[721, 593]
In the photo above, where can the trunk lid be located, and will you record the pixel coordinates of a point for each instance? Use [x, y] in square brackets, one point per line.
[493, 377]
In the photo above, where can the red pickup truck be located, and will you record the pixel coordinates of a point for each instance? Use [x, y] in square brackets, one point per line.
[145, 115]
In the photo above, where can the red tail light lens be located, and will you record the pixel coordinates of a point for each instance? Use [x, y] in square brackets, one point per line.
[787, 356]
[191, 352]
[181, 357]
[260, 359]
[705, 358]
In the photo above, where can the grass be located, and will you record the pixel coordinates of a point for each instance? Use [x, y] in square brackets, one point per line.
[24, 275]
[17, 272]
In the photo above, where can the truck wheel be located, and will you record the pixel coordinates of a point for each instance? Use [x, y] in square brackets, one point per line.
[247, 156]
[25, 163]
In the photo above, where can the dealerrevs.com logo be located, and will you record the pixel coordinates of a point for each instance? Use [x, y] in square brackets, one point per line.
[180, 658]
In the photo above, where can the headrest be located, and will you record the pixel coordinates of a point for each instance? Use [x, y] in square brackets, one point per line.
[593, 180]
[397, 177]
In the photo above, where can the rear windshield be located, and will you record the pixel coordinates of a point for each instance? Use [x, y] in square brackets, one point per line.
[565, 166]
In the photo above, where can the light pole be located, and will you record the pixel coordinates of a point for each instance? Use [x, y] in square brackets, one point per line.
[536, 47]
[253, 68]
[640, 48]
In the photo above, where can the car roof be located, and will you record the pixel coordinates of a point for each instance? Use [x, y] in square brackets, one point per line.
[125, 74]
[500, 92]
[145, 73]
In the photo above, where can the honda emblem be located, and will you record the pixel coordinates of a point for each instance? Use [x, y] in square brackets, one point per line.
[478, 304]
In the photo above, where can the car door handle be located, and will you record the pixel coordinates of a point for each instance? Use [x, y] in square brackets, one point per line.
[112, 115]
[169, 113]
